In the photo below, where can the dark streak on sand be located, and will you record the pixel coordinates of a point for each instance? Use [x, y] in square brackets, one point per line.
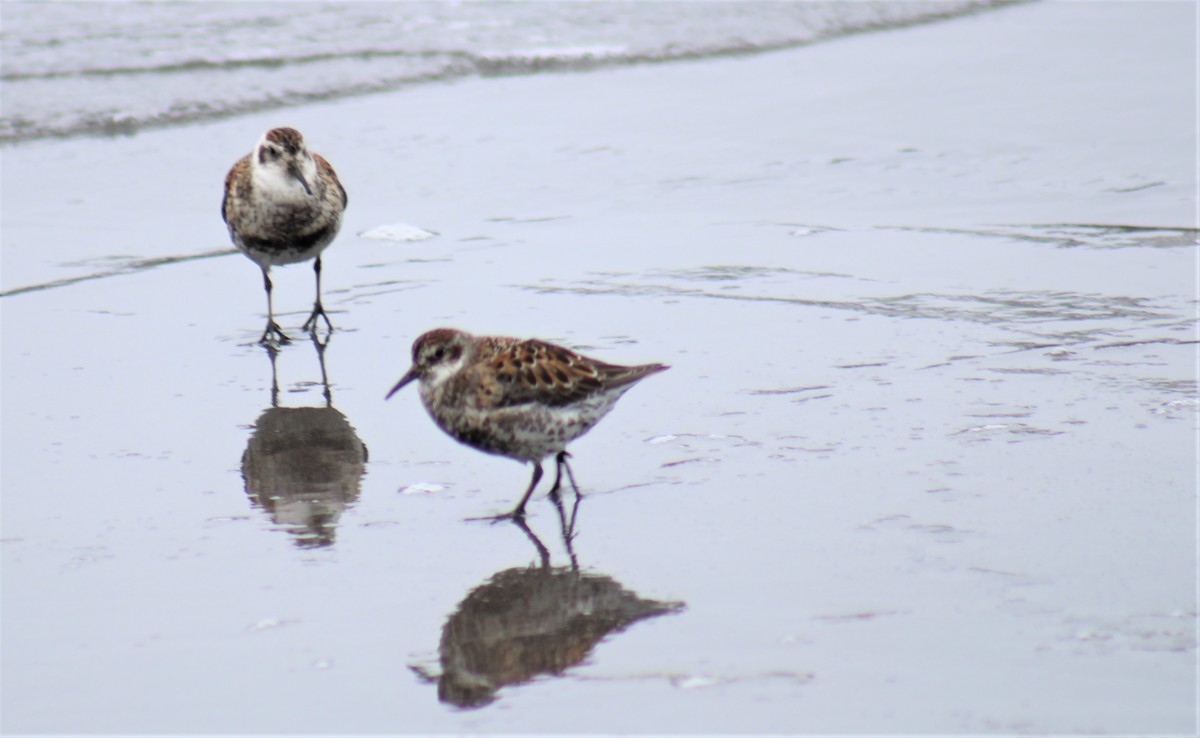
[132, 267]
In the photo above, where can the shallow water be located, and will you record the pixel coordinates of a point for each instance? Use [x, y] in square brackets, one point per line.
[906, 474]
[847, 473]
[73, 68]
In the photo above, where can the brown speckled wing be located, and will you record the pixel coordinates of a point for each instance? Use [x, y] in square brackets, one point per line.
[239, 172]
[535, 371]
[325, 171]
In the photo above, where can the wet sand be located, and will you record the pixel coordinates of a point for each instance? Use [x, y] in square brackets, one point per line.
[924, 461]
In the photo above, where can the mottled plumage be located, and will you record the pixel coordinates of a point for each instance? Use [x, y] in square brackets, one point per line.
[521, 398]
[283, 204]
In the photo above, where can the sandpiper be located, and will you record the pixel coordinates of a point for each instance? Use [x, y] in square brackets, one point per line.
[523, 399]
[283, 204]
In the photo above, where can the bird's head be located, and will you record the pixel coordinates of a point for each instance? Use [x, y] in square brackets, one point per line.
[281, 152]
[436, 356]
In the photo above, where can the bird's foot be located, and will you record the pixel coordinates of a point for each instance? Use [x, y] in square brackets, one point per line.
[516, 516]
[318, 311]
[273, 335]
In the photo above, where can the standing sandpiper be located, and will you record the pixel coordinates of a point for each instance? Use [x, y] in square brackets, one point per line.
[524, 399]
[283, 204]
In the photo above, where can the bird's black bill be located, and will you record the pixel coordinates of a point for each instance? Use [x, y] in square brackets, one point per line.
[400, 385]
[294, 170]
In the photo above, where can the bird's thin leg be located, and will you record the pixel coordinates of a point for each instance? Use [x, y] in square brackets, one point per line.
[559, 462]
[562, 461]
[568, 525]
[558, 465]
[273, 332]
[518, 512]
[556, 498]
[318, 309]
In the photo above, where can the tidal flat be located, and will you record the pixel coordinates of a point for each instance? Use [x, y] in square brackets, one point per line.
[924, 461]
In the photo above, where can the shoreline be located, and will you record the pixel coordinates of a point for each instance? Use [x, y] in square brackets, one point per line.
[849, 169]
[458, 65]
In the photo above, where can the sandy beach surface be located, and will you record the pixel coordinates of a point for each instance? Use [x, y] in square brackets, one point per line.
[924, 461]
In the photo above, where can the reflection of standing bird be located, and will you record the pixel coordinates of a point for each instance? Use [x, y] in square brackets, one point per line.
[303, 465]
[283, 205]
[524, 399]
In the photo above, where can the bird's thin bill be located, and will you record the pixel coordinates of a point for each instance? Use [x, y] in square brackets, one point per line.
[400, 385]
[294, 170]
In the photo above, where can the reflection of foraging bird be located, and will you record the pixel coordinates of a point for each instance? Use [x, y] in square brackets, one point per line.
[283, 204]
[524, 399]
[531, 621]
[525, 622]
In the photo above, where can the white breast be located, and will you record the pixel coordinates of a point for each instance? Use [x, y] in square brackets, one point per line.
[274, 183]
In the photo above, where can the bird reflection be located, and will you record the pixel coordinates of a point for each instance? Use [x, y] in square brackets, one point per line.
[531, 621]
[303, 465]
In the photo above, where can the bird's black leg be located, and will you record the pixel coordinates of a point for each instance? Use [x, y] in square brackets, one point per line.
[558, 465]
[553, 493]
[518, 512]
[561, 462]
[568, 526]
[273, 332]
[310, 325]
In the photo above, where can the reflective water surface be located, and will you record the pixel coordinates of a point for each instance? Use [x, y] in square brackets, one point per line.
[923, 462]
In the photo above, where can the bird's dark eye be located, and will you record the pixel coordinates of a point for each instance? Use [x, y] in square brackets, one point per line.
[437, 355]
